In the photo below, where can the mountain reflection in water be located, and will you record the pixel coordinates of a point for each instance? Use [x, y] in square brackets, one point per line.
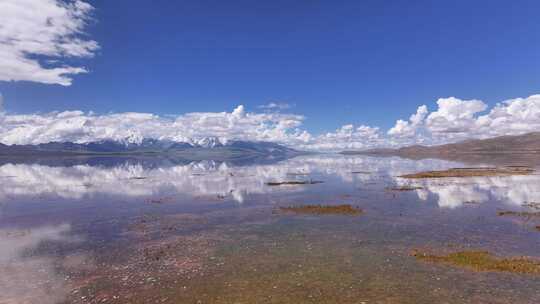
[211, 178]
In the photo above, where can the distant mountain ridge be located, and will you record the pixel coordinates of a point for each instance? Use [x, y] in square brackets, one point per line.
[521, 148]
[205, 146]
[525, 143]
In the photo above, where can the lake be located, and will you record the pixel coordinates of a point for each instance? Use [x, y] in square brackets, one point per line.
[131, 230]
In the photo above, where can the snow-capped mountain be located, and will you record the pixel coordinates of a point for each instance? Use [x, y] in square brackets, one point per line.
[209, 142]
[200, 146]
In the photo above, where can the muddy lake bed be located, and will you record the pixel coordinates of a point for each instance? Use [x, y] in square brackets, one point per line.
[310, 229]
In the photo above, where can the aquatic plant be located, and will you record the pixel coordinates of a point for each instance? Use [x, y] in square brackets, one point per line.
[405, 188]
[471, 172]
[532, 205]
[344, 209]
[482, 261]
[309, 182]
[516, 213]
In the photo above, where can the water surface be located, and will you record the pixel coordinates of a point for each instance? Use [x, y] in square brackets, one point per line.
[143, 231]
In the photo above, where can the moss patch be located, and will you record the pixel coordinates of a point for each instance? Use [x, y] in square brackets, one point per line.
[323, 209]
[532, 205]
[405, 188]
[360, 172]
[482, 261]
[310, 182]
[520, 214]
[472, 172]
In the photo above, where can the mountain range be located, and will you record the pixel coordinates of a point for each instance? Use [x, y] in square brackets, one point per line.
[514, 149]
[205, 148]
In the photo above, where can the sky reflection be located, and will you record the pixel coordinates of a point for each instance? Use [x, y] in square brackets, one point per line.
[27, 277]
[218, 179]
[41, 198]
[205, 178]
[454, 192]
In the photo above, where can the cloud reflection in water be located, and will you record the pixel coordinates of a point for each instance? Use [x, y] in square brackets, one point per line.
[210, 178]
[26, 277]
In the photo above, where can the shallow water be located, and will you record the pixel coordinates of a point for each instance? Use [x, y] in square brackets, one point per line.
[133, 231]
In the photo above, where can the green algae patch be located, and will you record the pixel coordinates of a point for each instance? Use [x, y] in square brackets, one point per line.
[471, 172]
[309, 182]
[482, 261]
[345, 209]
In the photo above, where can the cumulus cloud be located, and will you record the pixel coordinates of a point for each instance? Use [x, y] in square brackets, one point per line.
[454, 115]
[408, 128]
[37, 35]
[456, 119]
[511, 117]
[453, 120]
[80, 127]
[346, 137]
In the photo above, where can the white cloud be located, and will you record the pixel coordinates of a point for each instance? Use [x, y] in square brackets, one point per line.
[457, 119]
[510, 117]
[1, 102]
[409, 128]
[453, 120]
[346, 137]
[77, 126]
[276, 106]
[454, 115]
[51, 30]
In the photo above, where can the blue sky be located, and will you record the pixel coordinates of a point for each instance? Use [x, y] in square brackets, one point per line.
[337, 62]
